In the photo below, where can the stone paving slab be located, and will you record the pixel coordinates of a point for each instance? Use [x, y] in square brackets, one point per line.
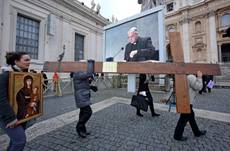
[118, 128]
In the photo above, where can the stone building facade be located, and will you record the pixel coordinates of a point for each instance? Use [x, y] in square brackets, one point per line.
[202, 24]
[44, 27]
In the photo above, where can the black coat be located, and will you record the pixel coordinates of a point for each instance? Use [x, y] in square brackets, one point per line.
[146, 50]
[23, 102]
[82, 88]
[7, 114]
[209, 77]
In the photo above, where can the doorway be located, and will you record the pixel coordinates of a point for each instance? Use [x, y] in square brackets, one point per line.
[225, 52]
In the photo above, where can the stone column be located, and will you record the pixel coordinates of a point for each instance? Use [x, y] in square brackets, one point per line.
[131, 87]
[1, 26]
[5, 27]
[219, 54]
[212, 37]
[185, 39]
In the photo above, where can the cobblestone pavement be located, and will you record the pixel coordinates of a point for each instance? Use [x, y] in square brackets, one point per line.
[218, 100]
[117, 128]
[54, 106]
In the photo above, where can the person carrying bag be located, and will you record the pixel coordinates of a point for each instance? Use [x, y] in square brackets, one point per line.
[140, 102]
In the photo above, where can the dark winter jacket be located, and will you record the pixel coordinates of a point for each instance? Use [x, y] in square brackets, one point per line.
[7, 114]
[82, 88]
[144, 47]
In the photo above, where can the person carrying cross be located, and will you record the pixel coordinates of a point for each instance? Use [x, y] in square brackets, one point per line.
[195, 84]
[82, 81]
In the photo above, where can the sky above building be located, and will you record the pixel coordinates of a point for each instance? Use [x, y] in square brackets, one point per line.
[119, 8]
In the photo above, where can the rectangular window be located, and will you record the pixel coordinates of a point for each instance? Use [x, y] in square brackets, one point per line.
[169, 7]
[79, 47]
[27, 35]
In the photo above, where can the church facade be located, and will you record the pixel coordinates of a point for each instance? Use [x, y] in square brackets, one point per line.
[46, 28]
[202, 24]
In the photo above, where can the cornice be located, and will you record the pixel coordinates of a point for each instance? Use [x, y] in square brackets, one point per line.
[69, 17]
[209, 12]
[199, 45]
[77, 6]
[197, 35]
[191, 17]
[74, 6]
[189, 7]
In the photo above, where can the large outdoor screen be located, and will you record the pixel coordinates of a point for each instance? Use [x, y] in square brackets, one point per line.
[149, 23]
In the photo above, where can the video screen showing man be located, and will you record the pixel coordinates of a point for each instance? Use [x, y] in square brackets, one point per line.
[139, 48]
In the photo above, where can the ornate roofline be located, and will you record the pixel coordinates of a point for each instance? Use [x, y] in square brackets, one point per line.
[83, 9]
[186, 16]
[76, 7]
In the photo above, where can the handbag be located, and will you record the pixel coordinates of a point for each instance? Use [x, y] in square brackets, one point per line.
[210, 84]
[139, 102]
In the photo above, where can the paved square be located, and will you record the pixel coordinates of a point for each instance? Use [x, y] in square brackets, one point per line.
[117, 128]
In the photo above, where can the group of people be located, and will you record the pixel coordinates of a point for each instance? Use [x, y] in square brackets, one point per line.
[138, 49]
[141, 49]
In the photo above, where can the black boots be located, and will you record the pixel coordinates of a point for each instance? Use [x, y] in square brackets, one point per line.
[202, 132]
[181, 139]
[138, 113]
[82, 132]
[154, 114]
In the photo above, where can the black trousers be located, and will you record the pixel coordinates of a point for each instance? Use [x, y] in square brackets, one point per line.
[144, 87]
[204, 81]
[84, 116]
[184, 118]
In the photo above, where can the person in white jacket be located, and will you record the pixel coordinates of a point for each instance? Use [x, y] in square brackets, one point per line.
[195, 84]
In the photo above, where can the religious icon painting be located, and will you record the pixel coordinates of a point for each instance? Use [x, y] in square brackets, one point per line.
[26, 95]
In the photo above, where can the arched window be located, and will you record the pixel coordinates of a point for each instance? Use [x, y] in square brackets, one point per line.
[225, 20]
[198, 27]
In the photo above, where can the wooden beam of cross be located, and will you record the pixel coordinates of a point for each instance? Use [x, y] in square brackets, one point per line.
[137, 67]
[178, 67]
[181, 84]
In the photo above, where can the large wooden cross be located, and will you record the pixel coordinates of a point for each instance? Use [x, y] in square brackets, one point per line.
[178, 68]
